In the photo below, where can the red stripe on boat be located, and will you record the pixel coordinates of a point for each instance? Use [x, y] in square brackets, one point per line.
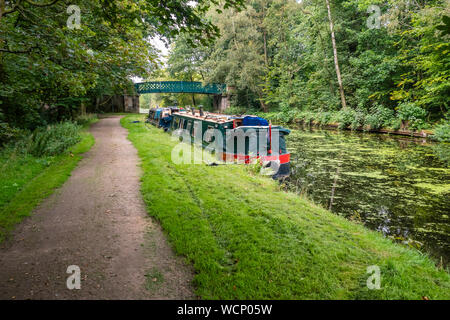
[283, 158]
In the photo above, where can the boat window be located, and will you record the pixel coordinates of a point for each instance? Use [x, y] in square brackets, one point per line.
[283, 148]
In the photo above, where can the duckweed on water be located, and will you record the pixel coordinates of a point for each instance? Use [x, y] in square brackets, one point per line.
[435, 188]
[398, 186]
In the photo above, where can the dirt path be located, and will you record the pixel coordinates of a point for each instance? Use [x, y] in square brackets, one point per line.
[98, 222]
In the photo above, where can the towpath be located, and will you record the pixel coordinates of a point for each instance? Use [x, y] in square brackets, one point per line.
[96, 221]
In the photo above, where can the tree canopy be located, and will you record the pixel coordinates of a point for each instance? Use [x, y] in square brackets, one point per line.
[375, 58]
[45, 62]
[279, 55]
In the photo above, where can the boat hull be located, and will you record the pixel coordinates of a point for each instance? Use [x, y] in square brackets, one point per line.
[280, 164]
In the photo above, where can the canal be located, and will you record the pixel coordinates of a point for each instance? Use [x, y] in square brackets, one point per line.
[399, 186]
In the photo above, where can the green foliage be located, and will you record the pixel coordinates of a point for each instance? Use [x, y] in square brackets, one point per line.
[52, 140]
[445, 28]
[324, 117]
[409, 111]
[236, 110]
[395, 124]
[359, 120]
[48, 70]
[379, 117]
[88, 118]
[442, 131]
[277, 56]
[7, 133]
[425, 56]
[346, 117]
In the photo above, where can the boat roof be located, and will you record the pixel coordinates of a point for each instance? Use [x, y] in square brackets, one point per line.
[218, 118]
[209, 116]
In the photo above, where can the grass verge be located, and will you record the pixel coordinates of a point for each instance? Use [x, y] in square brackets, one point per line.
[27, 180]
[248, 239]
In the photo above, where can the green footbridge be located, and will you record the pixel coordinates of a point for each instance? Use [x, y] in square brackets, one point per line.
[179, 87]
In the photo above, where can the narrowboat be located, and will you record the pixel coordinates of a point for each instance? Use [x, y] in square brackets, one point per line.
[232, 138]
[161, 117]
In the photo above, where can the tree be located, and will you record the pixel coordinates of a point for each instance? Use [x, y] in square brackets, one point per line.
[238, 57]
[335, 55]
[45, 65]
[425, 55]
[186, 61]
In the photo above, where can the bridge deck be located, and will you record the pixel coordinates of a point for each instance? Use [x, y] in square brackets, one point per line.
[179, 87]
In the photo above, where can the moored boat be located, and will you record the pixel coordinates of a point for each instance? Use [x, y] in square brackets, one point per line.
[232, 138]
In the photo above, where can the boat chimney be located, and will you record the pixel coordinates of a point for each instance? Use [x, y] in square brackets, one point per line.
[193, 111]
[200, 108]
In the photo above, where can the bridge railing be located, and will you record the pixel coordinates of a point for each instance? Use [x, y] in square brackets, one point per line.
[179, 87]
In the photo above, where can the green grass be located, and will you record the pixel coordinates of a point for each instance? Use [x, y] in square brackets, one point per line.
[248, 239]
[26, 180]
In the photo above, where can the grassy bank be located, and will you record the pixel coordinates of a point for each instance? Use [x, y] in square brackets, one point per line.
[248, 239]
[26, 179]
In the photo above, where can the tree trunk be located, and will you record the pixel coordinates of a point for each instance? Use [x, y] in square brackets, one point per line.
[336, 61]
[265, 48]
[97, 103]
[193, 95]
[261, 101]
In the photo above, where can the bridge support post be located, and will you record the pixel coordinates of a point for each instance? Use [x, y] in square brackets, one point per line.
[221, 102]
[131, 103]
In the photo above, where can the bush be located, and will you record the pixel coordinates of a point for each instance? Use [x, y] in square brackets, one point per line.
[359, 119]
[236, 110]
[442, 131]
[282, 117]
[395, 124]
[345, 117]
[307, 116]
[293, 114]
[8, 133]
[54, 139]
[379, 117]
[323, 117]
[409, 111]
[86, 119]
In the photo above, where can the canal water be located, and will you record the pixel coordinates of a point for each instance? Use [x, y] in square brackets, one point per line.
[399, 186]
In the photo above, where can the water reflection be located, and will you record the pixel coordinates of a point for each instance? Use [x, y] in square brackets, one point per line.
[396, 185]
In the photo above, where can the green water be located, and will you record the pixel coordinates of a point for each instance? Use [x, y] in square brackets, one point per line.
[399, 186]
